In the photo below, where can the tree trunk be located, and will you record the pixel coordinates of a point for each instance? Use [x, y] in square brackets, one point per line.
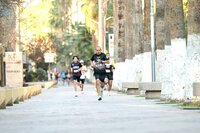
[119, 21]
[7, 32]
[193, 17]
[147, 39]
[115, 29]
[175, 18]
[160, 29]
[7, 23]
[193, 47]
[129, 34]
[175, 54]
[138, 26]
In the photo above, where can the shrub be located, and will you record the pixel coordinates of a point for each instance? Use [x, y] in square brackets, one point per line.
[39, 75]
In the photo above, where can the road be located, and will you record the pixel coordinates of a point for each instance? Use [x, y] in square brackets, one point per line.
[56, 110]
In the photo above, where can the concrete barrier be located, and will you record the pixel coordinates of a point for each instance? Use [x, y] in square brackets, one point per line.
[46, 84]
[8, 97]
[50, 84]
[36, 89]
[25, 93]
[132, 88]
[11, 95]
[152, 89]
[21, 94]
[2, 99]
[196, 89]
[15, 95]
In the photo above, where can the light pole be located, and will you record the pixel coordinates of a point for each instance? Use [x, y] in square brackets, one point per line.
[152, 43]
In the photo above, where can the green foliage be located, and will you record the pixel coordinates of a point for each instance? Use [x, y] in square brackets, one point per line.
[109, 12]
[59, 11]
[30, 76]
[110, 8]
[42, 64]
[90, 9]
[37, 48]
[78, 43]
[70, 42]
[35, 29]
[39, 75]
[192, 104]
[35, 20]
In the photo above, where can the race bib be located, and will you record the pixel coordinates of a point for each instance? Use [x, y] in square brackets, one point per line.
[108, 71]
[75, 71]
[82, 77]
[100, 66]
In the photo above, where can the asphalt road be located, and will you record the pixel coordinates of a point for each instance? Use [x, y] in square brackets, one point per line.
[56, 110]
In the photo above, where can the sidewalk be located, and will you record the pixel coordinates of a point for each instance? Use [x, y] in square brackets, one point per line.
[56, 110]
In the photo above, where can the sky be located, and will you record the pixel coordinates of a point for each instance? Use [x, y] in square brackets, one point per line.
[31, 2]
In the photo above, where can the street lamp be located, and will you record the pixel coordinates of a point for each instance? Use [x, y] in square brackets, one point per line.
[152, 43]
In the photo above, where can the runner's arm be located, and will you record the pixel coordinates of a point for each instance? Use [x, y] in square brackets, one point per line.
[105, 59]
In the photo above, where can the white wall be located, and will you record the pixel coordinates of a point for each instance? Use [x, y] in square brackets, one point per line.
[177, 67]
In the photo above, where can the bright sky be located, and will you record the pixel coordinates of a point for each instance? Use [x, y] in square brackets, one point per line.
[31, 2]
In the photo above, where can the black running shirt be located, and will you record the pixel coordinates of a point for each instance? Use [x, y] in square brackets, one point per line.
[75, 68]
[102, 57]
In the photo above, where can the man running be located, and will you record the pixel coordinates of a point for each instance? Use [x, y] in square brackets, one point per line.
[97, 62]
[76, 73]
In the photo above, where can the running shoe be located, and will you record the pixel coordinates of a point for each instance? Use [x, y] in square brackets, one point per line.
[109, 93]
[99, 98]
[76, 94]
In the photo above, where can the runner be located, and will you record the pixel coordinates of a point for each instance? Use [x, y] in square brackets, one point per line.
[68, 76]
[109, 74]
[76, 73]
[83, 75]
[97, 62]
[63, 76]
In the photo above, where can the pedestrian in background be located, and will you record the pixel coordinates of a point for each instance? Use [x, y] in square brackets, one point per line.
[83, 75]
[63, 76]
[68, 76]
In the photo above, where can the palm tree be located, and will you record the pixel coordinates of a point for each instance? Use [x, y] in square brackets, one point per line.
[147, 46]
[193, 46]
[138, 27]
[90, 9]
[160, 24]
[129, 29]
[7, 31]
[175, 17]
[119, 30]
